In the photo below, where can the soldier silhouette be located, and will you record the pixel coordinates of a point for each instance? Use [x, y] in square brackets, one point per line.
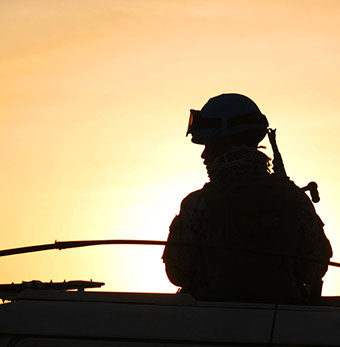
[265, 224]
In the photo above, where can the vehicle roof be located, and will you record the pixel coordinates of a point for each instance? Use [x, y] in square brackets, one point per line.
[166, 317]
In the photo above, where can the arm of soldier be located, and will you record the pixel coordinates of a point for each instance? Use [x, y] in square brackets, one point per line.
[312, 241]
[180, 261]
[177, 260]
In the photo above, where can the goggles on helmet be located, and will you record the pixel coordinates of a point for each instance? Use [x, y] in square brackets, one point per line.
[198, 123]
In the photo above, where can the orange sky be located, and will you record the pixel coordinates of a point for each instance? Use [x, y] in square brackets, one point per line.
[94, 103]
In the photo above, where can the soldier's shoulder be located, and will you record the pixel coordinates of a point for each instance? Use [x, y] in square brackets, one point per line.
[195, 196]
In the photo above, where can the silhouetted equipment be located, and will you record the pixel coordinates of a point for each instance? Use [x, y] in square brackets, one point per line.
[85, 243]
[15, 291]
[226, 115]
[69, 285]
[312, 187]
[76, 244]
[279, 168]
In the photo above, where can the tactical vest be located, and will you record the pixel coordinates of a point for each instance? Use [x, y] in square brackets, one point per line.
[254, 217]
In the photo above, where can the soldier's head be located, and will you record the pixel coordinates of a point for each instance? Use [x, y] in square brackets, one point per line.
[226, 121]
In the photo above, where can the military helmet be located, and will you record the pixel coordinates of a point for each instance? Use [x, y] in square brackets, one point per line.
[226, 115]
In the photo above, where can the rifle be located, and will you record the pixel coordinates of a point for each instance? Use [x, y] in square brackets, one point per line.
[279, 168]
